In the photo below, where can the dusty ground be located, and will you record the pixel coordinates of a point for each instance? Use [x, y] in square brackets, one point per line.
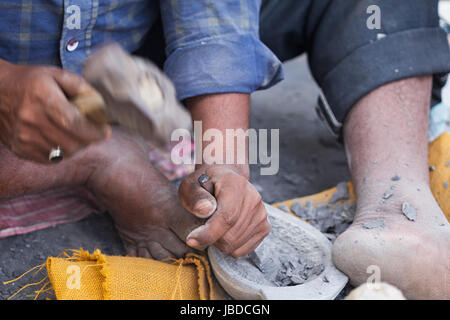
[310, 161]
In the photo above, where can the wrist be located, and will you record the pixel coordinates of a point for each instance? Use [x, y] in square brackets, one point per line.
[222, 112]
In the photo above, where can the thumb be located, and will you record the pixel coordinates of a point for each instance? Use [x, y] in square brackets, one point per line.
[195, 198]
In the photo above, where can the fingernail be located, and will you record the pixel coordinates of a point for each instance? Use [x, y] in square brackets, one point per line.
[194, 233]
[192, 243]
[204, 208]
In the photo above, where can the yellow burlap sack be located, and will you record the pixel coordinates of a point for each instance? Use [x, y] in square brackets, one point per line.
[438, 159]
[96, 276]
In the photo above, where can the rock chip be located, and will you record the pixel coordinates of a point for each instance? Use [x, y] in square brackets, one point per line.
[388, 194]
[372, 224]
[409, 211]
[299, 211]
[284, 208]
[341, 193]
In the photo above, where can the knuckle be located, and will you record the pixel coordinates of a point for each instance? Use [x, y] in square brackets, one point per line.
[31, 75]
[256, 197]
[225, 246]
[23, 136]
[36, 86]
[229, 219]
[230, 175]
[264, 215]
[26, 115]
[63, 74]
[70, 121]
[267, 229]
[257, 207]
[261, 219]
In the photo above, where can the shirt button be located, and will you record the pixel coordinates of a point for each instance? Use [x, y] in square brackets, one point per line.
[72, 44]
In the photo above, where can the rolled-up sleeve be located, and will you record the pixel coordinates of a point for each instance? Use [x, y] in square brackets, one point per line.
[214, 47]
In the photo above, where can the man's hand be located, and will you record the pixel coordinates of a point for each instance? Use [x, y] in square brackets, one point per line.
[36, 115]
[239, 220]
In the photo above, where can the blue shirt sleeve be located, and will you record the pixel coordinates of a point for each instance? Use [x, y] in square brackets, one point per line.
[214, 47]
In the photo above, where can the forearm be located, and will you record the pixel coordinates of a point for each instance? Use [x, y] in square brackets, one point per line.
[222, 112]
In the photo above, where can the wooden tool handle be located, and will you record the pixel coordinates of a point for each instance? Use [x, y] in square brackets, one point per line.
[92, 105]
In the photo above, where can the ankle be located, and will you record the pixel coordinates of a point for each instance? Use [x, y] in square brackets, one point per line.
[387, 195]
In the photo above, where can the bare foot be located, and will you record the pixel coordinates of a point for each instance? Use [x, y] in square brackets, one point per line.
[412, 255]
[385, 135]
[143, 203]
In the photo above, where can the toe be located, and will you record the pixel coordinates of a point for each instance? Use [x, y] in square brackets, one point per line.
[159, 252]
[143, 252]
[131, 251]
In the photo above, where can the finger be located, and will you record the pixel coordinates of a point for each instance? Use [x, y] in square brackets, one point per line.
[74, 85]
[236, 236]
[131, 251]
[57, 138]
[184, 222]
[195, 198]
[71, 83]
[174, 245]
[243, 230]
[248, 247]
[158, 251]
[31, 153]
[206, 183]
[66, 117]
[224, 218]
[252, 243]
[252, 213]
[144, 253]
[29, 144]
[43, 132]
[240, 232]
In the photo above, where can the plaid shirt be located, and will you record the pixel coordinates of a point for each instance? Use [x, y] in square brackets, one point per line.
[212, 45]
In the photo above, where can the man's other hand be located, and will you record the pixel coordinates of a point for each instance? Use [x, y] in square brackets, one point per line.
[36, 115]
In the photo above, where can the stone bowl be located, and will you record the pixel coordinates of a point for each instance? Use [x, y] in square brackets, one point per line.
[291, 239]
